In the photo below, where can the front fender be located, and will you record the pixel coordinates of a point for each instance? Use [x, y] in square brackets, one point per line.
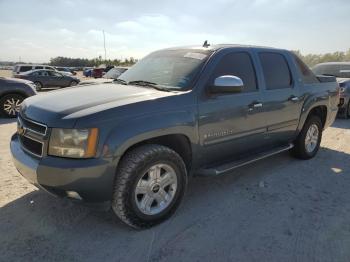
[129, 132]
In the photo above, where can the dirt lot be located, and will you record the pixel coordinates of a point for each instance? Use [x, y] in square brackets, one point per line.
[279, 209]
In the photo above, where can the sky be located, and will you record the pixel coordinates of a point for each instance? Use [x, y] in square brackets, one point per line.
[35, 31]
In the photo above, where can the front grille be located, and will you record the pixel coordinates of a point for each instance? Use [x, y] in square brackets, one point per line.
[33, 126]
[32, 146]
[32, 136]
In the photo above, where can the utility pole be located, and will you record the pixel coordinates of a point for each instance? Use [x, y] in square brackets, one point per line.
[104, 43]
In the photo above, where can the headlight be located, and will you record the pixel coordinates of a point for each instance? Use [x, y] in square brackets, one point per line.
[74, 143]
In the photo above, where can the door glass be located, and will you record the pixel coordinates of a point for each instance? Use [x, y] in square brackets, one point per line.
[237, 64]
[307, 75]
[25, 68]
[55, 74]
[276, 71]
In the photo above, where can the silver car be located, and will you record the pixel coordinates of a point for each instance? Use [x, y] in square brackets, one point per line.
[341, 70]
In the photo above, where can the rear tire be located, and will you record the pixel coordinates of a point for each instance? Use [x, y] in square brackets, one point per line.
[308, 141]
[38, 85]
[73, 83]
[10, 105]
[149, 185]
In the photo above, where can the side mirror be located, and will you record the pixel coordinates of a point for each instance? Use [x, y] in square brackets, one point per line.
[227, 84]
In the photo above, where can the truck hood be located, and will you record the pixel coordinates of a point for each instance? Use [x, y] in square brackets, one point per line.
[62, 108]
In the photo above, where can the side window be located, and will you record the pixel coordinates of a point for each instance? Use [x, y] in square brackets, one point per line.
[344, 71]
[39, 67]
[276, 71]
[54, 73]
[25, 68]
[307, 75]
[42, 73]
[238, 64]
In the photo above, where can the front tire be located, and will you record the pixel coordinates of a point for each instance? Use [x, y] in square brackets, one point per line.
[149, 185]
[308, 141]
[10, 105]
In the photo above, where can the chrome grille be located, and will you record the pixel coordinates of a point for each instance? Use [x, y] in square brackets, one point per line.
[31, 135]
[33, 126]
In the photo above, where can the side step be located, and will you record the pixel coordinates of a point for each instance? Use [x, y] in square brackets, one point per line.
[225, 168]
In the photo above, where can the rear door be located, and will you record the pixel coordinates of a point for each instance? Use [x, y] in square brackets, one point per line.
[231, 125]
[57, 79]
[281, 96]
[44, 78]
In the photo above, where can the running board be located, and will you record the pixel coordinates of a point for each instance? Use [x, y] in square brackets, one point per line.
[225, 168]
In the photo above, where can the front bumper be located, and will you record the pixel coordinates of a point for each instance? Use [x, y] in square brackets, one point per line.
[92, 179]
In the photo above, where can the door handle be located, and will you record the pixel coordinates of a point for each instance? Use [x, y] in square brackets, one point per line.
[294, 98]
[255, 105]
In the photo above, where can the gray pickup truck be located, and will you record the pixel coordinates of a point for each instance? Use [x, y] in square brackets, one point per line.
[178, 112]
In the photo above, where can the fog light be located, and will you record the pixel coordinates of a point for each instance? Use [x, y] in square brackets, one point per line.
[73, 194]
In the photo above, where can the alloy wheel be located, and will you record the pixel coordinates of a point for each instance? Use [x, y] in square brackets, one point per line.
[156, 189]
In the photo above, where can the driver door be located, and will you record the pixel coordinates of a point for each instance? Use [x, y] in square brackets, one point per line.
[232, 125]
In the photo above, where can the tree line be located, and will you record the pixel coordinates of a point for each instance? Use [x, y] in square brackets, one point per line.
[84, 62]
[314, 59]
[309, 59]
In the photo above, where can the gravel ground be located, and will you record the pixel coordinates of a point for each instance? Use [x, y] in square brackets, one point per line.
[278, 209]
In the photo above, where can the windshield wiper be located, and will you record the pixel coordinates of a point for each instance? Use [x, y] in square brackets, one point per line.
[148, 84]
[121, 81]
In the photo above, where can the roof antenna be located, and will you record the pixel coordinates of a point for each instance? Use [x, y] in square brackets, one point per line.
[206, 44]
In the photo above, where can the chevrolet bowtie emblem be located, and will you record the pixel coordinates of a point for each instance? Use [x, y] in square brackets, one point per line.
[20, 128]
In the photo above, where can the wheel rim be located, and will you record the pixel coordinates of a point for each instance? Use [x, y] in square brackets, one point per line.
[311, 138]
[12, 106]
[73, 83]
[37, 85]
[156, 189]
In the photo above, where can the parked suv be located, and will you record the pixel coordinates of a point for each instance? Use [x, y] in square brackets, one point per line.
[21, 68]
[178, 112]
[341, 70]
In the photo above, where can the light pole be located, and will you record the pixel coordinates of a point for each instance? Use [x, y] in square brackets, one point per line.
[104, 43]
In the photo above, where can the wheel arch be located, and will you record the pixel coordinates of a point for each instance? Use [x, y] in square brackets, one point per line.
[13, 92]
[320, 110]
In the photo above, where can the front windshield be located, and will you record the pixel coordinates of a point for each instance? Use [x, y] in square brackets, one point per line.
[174, 69]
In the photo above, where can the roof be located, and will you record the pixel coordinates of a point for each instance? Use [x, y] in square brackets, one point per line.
[222, 46]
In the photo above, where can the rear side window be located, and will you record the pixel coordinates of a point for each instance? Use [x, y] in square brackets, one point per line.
[238, 64]
[39, 67]
[25, 68]
[276, 71]
[42, 73]
[307, 75]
